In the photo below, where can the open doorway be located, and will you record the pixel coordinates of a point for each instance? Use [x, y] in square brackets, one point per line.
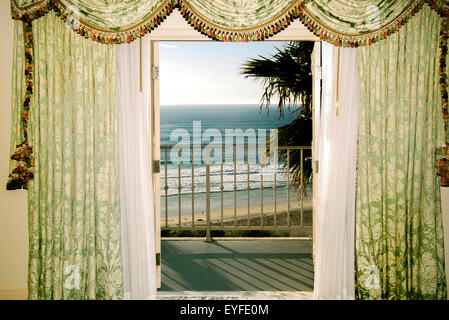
[209, 192]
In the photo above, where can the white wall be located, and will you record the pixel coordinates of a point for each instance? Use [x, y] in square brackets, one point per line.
[13, 204]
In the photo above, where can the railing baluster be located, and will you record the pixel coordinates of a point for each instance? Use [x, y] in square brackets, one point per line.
[179, 188]
[193, 187]
[166, 188]
[275, 196]
[221, 187]
[288, 188]
[248, 188]
[301, 194]
[208, 222]
[235, 186]
[261, 196]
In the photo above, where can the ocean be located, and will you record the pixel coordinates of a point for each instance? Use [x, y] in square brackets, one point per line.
[195, 124]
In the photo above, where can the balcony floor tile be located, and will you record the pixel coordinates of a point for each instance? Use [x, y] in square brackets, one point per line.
[237, 266]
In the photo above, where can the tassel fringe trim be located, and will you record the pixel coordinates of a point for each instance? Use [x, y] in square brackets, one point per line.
[296, 11]
[442, 154]
[23, 173]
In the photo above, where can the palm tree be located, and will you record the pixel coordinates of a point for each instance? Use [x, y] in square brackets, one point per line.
[287, 75]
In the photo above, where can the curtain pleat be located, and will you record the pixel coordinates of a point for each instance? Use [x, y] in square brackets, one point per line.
[334, 262]
[399, 233]
[74, 209]
[136, 188]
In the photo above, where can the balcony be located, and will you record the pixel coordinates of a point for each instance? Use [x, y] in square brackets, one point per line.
[228, 202]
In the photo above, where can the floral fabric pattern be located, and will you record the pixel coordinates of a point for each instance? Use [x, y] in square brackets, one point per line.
[399, 232]
[355, 17]
[74, 210]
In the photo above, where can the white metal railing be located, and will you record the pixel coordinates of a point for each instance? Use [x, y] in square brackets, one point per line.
[231, 223]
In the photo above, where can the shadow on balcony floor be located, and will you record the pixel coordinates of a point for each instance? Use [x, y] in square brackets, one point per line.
[237, 265]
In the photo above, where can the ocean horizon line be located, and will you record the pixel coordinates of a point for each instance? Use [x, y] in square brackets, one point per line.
[214, 104]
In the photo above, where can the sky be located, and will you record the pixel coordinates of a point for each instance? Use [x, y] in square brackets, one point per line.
[209, 72]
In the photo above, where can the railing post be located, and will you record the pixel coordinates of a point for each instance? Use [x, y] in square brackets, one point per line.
[208, 223]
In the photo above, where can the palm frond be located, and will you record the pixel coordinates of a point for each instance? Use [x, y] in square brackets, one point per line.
[287, 75]
[297, 133]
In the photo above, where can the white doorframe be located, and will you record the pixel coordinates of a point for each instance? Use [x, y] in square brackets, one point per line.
[156, 155]
[175, 28]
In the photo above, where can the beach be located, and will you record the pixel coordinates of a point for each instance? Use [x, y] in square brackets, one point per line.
[241, 214]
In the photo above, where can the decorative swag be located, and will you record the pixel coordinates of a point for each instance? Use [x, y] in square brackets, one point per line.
[342, 22]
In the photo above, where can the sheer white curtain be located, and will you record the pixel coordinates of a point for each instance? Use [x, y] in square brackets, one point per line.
[136, 192]
[334, 260]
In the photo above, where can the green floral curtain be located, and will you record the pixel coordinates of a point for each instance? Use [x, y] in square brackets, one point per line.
[399, 233]
[74, 212]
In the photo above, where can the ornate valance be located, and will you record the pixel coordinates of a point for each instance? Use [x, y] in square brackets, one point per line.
[361, 22]
[341, 22]
[350, 23]
[123, 21]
